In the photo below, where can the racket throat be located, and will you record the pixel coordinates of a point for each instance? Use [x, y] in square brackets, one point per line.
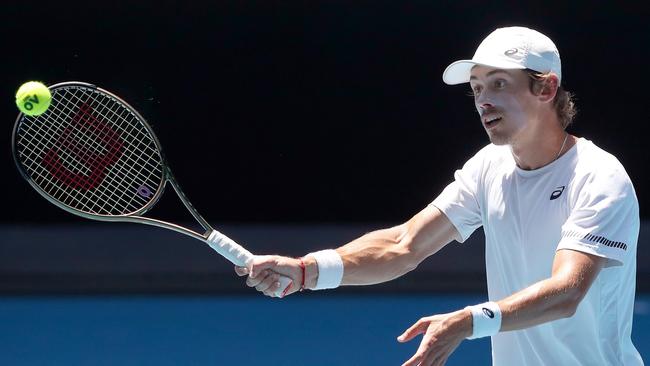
[188, 205]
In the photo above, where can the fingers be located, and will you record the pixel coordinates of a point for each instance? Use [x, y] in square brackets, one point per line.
[418, 328]
[414, 361]
[272, 289]
[254, 281]
[438, 341]
[422, 356]
[425, 360]
[441, 361]
[427, 357]
[268, 281]
[268, 273]
[261, 263]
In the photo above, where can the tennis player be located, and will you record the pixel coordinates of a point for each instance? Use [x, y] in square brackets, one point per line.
[560, 217]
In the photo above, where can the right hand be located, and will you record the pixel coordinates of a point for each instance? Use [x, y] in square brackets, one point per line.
[264, 272]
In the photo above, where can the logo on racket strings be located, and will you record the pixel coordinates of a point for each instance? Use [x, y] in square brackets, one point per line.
[144, 191]
[74, 148]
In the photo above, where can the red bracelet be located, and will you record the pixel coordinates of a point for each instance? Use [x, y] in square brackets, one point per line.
[302, 267]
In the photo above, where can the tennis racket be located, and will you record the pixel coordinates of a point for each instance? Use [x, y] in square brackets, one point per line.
[95, 156]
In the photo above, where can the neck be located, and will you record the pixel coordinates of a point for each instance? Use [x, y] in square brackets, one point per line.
[542, 149]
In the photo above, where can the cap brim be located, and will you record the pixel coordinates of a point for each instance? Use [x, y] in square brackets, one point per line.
[459, 72]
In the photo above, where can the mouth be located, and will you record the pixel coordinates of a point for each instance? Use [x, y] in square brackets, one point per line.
[491, 121]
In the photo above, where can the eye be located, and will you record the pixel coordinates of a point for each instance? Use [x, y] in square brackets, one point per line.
[499, 83]
[476, 90]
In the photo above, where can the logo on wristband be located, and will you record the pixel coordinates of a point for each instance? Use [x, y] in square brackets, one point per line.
[489, 313]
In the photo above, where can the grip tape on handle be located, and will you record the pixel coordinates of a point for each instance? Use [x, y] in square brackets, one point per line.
[239, 256]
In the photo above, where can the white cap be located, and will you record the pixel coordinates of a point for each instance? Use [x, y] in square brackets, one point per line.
[509, 48]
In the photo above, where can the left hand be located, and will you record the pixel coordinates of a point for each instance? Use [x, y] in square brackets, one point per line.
[442, 334]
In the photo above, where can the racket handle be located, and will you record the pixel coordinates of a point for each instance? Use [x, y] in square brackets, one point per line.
[239, 256]
[229, 249]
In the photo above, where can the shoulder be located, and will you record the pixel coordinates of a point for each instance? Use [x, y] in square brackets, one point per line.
[596, 165]
[487, 162]
[599, 173]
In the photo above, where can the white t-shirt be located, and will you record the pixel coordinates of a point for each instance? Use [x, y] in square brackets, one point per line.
[583, 201]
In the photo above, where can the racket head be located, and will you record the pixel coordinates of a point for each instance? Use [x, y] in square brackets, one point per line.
[91, 154]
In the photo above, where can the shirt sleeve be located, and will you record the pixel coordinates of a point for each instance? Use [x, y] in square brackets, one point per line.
[459, 201]
[605, 219]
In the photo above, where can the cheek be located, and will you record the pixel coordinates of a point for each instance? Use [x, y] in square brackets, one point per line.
[515, 106]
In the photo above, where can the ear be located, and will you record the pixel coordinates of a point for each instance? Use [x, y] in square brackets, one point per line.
[549, 90]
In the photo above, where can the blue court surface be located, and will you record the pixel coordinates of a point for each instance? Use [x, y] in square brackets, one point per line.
[308, 329]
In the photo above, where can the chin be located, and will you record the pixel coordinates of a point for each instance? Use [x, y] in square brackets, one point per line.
[498, 140]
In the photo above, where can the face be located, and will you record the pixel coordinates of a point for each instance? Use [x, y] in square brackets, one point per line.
[505, 104]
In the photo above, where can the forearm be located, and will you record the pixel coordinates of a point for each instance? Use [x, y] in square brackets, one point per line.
[554, 298]
[377, 257]
[384, 255]
[544, 301]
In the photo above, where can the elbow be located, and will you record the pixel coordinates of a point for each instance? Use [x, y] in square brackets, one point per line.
[568, 291]
[568, 307]
[411, 257]
[567, 310]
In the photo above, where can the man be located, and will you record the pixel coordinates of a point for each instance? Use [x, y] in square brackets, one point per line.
[560, 216]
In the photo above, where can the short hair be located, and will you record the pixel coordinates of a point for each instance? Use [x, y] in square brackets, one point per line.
[564, 102]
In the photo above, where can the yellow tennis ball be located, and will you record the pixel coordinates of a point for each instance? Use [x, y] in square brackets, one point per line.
[33, 98]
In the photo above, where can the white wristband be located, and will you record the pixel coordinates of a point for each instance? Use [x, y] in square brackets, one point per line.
[330, 269]
[486, 319]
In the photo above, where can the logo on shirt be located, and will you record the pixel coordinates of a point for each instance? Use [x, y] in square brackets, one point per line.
[557, 192]
[488, 313]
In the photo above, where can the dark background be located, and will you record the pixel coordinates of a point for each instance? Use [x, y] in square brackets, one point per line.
[315, 111]
[292, 126]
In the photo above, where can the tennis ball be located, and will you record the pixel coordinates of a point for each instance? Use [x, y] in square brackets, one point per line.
[33, 98]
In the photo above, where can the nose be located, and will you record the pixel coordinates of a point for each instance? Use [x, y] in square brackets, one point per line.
[482, 102]
[482, 107]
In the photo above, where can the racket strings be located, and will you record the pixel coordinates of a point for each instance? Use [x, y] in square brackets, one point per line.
[78, 137]
[132, 166]
[68, 158]
[70, 161]
[134, 163]
[100, 138]
[91, 153]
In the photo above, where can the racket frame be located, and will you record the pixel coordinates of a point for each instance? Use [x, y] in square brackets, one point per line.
[136, 216]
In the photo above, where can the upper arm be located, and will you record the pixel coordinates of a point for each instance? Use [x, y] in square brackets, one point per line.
[460, 201]
[428, 231]
[602, 227]
[604, 220]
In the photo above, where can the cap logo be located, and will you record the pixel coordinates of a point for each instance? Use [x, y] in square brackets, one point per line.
[511, 52]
